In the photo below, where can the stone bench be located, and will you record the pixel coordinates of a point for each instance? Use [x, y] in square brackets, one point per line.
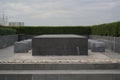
[22, 46]
[29, 41]
[96, 46]
[90, 43]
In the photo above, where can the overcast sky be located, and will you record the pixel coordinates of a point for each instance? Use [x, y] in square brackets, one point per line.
[61, 12]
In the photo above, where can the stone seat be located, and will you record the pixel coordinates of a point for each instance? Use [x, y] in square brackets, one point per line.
[98, 46]
[90, 41]
[21, 47]
[29, 41]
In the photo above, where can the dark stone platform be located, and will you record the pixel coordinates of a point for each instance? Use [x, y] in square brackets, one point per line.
[60, 45]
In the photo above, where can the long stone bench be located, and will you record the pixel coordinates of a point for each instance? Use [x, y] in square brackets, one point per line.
[22, 46]
[96, 46]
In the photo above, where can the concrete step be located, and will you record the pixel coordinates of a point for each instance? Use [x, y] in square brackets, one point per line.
[95, 66]
[60, 71]
[60, 75]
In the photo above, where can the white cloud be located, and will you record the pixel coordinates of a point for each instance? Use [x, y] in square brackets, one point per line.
[69, 11]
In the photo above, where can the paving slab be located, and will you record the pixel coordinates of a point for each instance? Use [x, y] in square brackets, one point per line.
[7, 56]
[60, 72]
[6, 53]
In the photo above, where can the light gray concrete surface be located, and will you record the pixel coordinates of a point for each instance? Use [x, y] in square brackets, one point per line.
[92, 57]
[7, 52]
[60, 72]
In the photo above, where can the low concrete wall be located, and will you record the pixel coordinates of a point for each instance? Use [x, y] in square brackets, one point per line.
[60, 77]
[7, 40]
[59, 66]
[112, 43]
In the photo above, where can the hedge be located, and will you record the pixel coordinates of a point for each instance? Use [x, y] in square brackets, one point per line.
[7, 31]
[110, 29]
[54, 30]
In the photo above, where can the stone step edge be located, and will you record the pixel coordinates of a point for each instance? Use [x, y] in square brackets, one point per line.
[59, 66]
[53, 72]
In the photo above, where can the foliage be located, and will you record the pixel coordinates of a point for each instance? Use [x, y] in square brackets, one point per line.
[7, 31]
[110, 29]
[54, 30]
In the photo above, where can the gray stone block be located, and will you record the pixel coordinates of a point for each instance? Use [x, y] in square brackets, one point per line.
[90, 41]
[20, 47]
[60, 45]
[112, 43]
[29, 43]
[97, 46]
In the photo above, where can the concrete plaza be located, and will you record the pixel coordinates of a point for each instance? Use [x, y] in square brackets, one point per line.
[7, 56]
[24, 66]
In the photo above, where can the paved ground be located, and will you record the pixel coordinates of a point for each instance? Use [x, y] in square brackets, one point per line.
[6, 52]
[60, 72]
[7, 56]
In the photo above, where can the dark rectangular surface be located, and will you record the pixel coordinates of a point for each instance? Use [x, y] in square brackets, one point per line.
[61, 75]
[59, 45]
[58, 66]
